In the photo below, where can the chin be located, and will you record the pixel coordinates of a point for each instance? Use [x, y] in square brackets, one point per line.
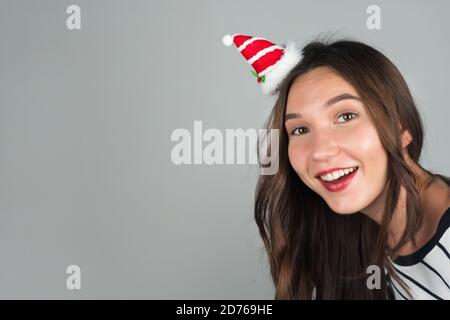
[344, 209]
[344, 212]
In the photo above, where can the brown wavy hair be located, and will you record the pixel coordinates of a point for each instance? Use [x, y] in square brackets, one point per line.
[314, 252]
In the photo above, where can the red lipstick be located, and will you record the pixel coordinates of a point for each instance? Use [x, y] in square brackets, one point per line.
[339, 184]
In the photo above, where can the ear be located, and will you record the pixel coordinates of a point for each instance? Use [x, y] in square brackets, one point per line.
[406, 137]
[406, 140]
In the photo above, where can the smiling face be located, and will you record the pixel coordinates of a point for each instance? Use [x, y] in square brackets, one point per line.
[328, 127]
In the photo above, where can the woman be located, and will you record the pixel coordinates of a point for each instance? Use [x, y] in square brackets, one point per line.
[350, 193]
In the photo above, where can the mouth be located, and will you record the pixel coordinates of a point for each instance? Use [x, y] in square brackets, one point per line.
[339, 184]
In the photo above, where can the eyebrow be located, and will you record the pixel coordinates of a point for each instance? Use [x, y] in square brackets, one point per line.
[330, 102]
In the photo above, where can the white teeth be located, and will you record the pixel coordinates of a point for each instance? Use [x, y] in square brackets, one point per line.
[337, 174]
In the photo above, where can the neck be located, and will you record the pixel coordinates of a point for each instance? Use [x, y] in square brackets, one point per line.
[397, 224]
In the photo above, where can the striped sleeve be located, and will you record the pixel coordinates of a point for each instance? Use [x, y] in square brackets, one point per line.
[427, 271]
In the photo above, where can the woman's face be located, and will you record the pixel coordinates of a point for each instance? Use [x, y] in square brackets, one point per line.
[328, 128]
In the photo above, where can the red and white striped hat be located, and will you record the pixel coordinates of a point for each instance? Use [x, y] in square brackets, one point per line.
[271, 62]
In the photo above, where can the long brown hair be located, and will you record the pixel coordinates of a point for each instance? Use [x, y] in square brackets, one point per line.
[314, 252]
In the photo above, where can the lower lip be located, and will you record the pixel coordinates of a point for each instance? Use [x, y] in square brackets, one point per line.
[339, 185]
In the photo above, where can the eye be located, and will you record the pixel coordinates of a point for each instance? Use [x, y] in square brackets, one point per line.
[347, 116]
[295, 130]
[352, 116]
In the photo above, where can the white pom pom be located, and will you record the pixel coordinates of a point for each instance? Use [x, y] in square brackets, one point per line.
[227, 40]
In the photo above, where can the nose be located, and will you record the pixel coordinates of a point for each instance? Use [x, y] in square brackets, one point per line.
[324, 145]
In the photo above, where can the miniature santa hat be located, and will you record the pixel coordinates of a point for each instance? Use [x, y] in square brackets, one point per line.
[271, 62]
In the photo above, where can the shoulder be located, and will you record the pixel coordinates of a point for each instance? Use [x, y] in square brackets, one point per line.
[436, 202]
[444, 224]
[441, 239]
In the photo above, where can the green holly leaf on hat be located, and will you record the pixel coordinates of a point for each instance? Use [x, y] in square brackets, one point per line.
[262, 79]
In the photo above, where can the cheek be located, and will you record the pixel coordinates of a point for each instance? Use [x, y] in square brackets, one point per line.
[372, 156]
[297, 158]
[369, 144]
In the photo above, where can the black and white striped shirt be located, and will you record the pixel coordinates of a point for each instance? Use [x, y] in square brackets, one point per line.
[427, 271]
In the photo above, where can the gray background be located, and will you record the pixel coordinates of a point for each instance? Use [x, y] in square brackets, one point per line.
[85, 122]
